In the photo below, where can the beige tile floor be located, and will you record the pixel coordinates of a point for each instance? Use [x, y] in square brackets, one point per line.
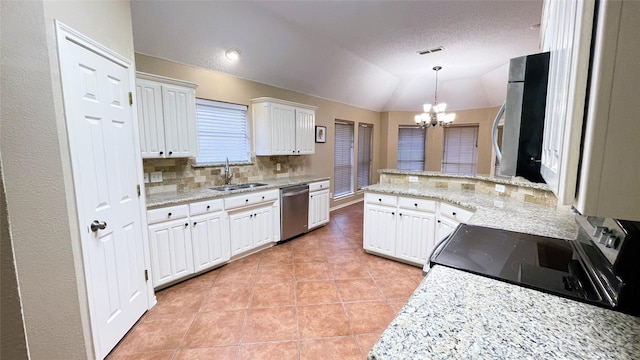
[318, 296]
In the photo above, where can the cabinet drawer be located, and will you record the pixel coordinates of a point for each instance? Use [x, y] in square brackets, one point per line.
[167, 213]
[250, 198]
[455, 213]
[417, 204]
[320, 185]
[204, 207]
[381, 199]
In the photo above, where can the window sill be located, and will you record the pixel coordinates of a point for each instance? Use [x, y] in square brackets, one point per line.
[343, 196]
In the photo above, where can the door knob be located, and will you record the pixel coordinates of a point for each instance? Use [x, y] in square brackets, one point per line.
[98, 225]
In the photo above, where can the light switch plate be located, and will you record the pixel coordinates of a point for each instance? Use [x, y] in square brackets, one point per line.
[156, 176]
[146, 178]
[500, 188]
[413, 179]
[278, 167]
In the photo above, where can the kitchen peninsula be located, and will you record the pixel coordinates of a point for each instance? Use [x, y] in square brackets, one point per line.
[455, 314]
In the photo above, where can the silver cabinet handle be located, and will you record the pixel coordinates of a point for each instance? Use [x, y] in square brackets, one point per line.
[98, 225]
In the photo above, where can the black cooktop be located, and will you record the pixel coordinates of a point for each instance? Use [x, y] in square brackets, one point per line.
[548, 264]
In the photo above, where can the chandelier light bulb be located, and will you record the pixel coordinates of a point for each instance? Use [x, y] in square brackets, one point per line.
[426, 108]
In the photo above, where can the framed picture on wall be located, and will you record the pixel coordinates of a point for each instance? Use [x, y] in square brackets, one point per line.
[321, 134]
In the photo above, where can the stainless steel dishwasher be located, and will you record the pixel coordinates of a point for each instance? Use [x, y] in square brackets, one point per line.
[294, 211]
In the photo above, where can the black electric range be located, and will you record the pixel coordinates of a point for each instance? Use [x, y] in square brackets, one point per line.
[601, 267]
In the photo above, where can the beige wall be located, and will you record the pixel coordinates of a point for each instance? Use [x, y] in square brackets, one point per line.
[435, 137]
[37, 170]
[222, 87]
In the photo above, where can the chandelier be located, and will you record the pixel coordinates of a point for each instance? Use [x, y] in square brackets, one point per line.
[434, 114]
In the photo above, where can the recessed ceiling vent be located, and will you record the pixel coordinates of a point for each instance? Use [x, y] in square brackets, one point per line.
[430, 51]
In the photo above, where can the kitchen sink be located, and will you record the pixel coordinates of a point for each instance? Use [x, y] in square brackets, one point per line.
[232, 187]
[250, 185]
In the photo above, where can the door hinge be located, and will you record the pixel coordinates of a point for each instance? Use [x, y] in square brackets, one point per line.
[130, 98]
[146, 275]
[138, 189]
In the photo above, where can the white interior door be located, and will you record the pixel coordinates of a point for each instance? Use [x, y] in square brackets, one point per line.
[102, 140]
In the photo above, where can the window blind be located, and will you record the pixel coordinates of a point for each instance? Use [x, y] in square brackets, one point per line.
[365, 134]
[460, 150]
[223, 132]
[343, 159]
[411, 145]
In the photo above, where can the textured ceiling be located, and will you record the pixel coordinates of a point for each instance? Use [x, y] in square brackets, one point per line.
[362, 53]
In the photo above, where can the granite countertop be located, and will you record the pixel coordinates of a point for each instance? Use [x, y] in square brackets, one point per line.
[183, 197]
[496, 212]
[458, 315]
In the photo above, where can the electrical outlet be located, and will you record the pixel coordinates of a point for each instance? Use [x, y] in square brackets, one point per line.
[146, 178]
[413, 179]
[278, 167]
[500, 188]
[156, 176]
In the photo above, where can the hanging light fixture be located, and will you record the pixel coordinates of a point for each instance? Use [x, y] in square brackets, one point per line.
[434, 114]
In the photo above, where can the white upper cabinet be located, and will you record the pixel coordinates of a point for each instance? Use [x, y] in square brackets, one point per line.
[283, 127]
[610, 163]
[590, 141]
[566, 34]
[167, 117]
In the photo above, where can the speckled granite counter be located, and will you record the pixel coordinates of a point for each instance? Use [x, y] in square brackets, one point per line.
[182, 197]
[500, 213]
[458, 315]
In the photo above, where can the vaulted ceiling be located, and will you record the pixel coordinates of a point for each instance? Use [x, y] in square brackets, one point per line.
[362, 53]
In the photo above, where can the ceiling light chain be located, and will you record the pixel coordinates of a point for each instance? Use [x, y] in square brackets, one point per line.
[435, 115]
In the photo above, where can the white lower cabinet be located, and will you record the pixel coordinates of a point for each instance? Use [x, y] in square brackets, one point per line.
[241, 231]
[380, 229]
[252, 220]
[209, 234]
[407, 228]
[444, 227]
[414, 235]
[171, 251]
[318, 204]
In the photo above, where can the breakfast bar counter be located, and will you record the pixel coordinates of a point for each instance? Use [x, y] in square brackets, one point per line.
[455, 314]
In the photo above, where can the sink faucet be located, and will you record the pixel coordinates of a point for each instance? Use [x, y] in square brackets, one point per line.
[227, 174]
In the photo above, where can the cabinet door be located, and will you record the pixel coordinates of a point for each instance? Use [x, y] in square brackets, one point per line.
[283, 120]
[566, 34]
[380, 229]
[171, 252]
[414, 235]
[209, 235]
[150, 119]
[262, 223]
[240, 231]
[305, 131]
[318, 208]
[179, 110]
[444, 227]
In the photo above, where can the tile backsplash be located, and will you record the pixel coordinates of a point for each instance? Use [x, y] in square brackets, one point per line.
[180, 174]
[529, 194]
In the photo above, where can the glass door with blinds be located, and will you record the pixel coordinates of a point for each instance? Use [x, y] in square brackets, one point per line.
[365, 144]
[460, 155]
[343, 159]
[412, 142]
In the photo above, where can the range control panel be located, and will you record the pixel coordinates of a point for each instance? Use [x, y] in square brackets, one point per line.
[606, 233]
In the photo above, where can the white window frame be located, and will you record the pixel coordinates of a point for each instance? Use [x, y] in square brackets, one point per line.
[365, 149]
[343, 158]
[460, 150]
[216, 139]
[411, 148]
